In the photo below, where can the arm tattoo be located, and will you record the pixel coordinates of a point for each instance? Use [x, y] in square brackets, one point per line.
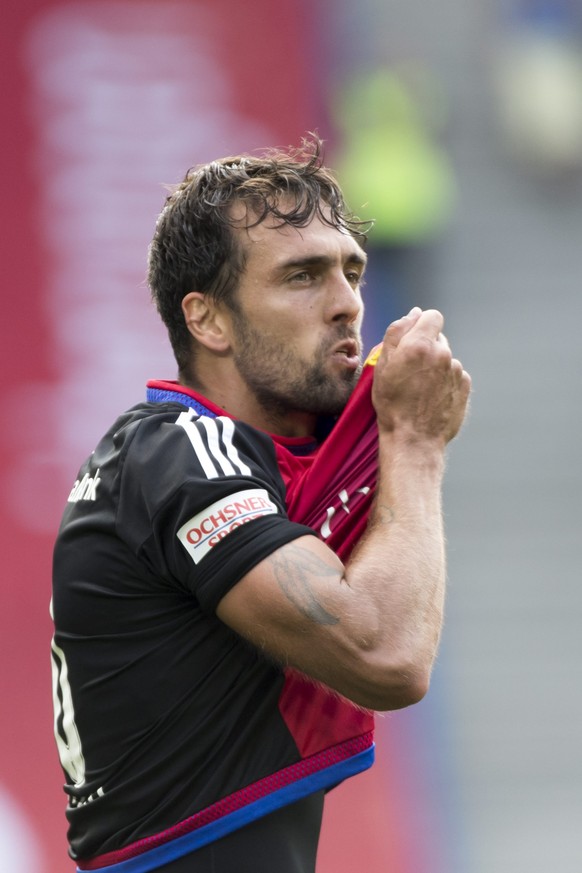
[293, 567]
[384, 513]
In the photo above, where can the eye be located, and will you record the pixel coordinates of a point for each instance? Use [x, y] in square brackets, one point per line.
[355, 278]
[301, 277]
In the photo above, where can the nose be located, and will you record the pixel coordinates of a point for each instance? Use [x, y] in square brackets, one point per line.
[345, 301]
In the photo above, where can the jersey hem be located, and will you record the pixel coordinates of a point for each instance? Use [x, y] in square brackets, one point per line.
[233, 812]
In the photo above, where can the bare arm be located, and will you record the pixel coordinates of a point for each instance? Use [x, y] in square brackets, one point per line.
[370, 630]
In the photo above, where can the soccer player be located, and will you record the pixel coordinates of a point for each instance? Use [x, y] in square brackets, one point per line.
[252, 561]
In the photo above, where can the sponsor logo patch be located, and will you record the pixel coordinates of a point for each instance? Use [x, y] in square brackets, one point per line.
[204, 531]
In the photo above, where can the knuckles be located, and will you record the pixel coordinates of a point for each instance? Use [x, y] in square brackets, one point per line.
[429, 351]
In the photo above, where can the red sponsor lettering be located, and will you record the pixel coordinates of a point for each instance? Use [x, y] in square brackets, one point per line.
[251, 504]
[214, 540]
[220, 521]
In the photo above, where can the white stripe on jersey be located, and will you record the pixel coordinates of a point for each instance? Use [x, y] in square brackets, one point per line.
[185, 421]
[231, 451]
[211, 429]
[212, 454]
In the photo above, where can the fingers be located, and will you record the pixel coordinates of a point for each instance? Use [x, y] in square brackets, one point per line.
[430, 324]
[460, 374]
[426, 328]
[401, 327]
[457, 368]
[418, 383]
[427, 323]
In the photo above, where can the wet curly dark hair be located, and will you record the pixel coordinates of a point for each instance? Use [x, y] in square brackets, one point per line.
[194, 248]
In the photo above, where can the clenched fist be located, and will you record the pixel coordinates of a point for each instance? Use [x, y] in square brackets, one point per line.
[419, 388]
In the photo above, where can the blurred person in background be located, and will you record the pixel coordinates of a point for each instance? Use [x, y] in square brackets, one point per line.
[252, 561]
[394, 170]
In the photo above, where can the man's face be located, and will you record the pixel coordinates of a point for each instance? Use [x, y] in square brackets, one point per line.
[297, 317]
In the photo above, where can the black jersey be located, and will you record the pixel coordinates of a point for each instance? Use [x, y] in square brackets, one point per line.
[169, 725]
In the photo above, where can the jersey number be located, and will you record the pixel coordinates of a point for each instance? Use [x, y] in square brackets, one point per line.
[66, 733]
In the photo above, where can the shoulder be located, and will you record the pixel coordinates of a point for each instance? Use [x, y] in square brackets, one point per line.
[164, 449]
[170, 434]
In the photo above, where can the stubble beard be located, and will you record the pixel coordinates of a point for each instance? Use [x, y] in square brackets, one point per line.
[284, 383]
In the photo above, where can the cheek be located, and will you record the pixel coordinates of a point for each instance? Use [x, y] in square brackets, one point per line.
[297, 326]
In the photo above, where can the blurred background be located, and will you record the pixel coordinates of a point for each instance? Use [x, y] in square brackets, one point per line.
[458, 126]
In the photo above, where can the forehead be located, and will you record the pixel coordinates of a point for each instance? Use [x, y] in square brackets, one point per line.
[272, 242]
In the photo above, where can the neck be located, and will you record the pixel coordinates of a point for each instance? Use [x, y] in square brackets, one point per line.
[233, 395]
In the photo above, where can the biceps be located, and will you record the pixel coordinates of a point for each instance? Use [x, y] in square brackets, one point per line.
[287, 600]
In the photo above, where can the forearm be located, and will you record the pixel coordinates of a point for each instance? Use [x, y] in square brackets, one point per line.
[397, 575]
[369, 630]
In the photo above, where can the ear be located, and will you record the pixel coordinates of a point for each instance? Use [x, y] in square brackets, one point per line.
[206, 321]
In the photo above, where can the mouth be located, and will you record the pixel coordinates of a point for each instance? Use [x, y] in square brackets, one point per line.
[347, 353]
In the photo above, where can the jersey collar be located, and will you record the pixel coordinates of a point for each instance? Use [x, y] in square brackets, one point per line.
[170, 391]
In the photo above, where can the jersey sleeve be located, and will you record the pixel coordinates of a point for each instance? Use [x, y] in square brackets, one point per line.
[202, 502]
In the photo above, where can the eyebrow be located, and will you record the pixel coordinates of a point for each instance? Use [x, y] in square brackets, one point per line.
[321, 261]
